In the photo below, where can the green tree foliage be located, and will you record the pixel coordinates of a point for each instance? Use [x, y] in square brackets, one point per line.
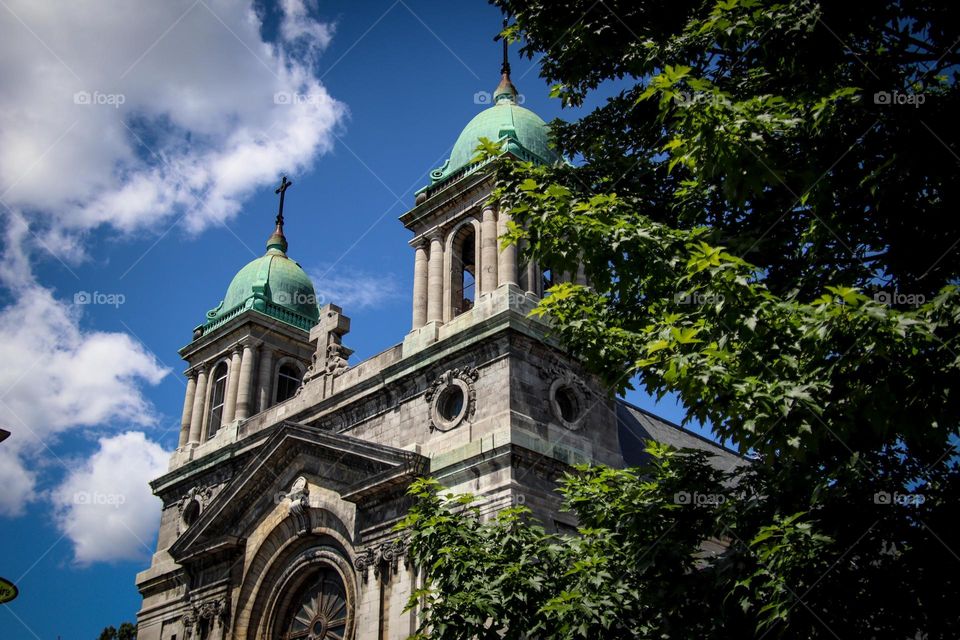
[127, 631]
[767, 216]
[632, 571]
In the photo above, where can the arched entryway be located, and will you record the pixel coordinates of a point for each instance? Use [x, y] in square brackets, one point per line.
[313, 598]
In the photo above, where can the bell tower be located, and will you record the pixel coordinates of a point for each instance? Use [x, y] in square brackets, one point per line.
[253, 349]
[461, 274]
[471, 293]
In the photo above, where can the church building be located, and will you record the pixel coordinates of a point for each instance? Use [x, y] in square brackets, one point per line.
[292, 465]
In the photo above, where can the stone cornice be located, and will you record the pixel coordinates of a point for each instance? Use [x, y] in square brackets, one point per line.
[441, 200]
[251, 317]
[396, 375]
[356, 468]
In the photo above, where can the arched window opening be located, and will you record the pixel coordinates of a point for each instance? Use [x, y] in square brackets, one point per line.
[288, 381]
[464, 276]
[320, 609]
[217, 398]
[468, 289]
[547, 281]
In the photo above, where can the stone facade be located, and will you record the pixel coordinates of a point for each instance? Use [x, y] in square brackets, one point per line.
[237, 527]
[280, 502]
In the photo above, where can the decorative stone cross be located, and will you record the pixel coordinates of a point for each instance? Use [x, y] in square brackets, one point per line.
[330, 357]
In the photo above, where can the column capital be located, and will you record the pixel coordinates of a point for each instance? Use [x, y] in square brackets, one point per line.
[190, 372]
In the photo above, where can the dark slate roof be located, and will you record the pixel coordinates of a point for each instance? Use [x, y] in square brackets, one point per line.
[636, 426]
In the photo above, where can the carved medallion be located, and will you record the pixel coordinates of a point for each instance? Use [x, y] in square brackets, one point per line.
[191, 505]
[452, 398]
[569, 396]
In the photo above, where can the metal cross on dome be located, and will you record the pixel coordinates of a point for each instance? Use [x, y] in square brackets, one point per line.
[282, 190]
[505, 67]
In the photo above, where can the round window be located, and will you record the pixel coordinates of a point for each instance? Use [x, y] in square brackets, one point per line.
[321, 610]
[567, 403]
[450, 405]
[190, 513]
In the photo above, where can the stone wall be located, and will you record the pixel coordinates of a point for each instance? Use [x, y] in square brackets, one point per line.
[507, 443]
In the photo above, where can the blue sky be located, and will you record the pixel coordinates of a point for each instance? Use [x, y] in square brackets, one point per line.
[148, 195]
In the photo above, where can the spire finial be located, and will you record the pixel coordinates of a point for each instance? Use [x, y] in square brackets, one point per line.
[505, 91]
[505, 67]
[277, 240]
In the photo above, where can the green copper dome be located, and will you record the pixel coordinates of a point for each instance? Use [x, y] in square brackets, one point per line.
[519, 130]
[274, 285]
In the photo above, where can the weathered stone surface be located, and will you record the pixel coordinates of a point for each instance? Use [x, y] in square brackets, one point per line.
[477, 395]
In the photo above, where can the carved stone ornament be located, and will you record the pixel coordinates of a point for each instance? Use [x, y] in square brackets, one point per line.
[187, 512]
[551, 368]
[330, 357]
[452, 398]
[298, 505]
[383, 557]
[337, 355]
[212, 611]
[568, 396]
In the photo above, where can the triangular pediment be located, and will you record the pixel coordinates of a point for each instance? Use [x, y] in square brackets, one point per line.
[355, 469]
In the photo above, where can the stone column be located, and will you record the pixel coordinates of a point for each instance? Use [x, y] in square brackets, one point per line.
[448, 297]
[533, 278]
[488, 250]
[265, 383]
[435, 280]
[187, 408]
[420, 285]
[199, 400]
[244, 393]
[233, 381]
[507, 258]
[581, 277]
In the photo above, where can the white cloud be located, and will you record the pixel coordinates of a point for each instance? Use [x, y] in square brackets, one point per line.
[139, 112]
[105, 506]
[58, 377]
[18, 484]
[354, 289]
[297, 27]
[130, 117]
